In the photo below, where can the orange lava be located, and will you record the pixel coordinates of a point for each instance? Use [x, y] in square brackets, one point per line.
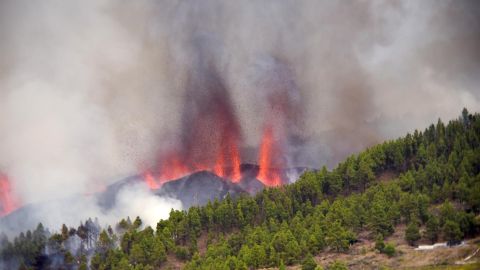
[7, 199]
[172, 168]
[227, 164]
[268, 174]
[150, 181]
[223, 159]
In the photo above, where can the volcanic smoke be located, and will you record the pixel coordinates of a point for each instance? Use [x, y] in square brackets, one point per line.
[211, 136]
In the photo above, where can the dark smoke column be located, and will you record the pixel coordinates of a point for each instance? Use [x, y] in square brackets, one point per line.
[210, 132]
[282, 120]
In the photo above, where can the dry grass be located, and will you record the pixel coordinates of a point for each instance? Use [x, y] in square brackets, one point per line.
[387, 175]
[172, 263]
[202, 243]
[363, 255]
[473, 266]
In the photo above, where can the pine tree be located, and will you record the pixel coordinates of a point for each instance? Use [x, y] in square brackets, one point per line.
[412, 234]
[309, 263]
[432, 229]
[337, 265]
[379, 244]
[389, 250]
[452, 232]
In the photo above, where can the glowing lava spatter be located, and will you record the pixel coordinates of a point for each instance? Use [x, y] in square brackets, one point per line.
[7, 199]
[210, 133]
[268, 173]
[150, 181]
[209, 141]
[236, 175]
[172, 167]
[227, 163]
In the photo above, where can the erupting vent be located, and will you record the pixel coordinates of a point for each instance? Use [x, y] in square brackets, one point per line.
[211, 142]
[7, 199]
[269, 150]
[226, 162]
[210, 135]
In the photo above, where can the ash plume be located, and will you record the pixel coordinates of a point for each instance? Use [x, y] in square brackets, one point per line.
[208, 116]
[92, 91]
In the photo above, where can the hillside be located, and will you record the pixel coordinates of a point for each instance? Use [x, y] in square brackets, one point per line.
[368, 212]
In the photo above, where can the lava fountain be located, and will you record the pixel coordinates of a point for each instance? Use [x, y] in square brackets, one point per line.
[7, 198]
[270, 152]
[210, 135]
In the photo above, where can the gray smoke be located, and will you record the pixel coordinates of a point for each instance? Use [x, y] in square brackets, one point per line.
[91, 91]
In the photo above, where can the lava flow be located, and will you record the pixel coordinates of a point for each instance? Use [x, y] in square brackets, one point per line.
[7, 199]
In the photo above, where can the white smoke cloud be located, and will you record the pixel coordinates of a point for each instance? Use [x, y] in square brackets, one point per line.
[131, 201]
[75, 114]
[137, 200]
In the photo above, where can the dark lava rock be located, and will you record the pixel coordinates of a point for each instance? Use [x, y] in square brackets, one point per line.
[200, 187]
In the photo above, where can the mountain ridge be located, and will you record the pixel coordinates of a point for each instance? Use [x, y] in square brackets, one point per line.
[432, 195]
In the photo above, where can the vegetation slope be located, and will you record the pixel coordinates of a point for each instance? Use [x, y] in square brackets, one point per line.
[427, 183]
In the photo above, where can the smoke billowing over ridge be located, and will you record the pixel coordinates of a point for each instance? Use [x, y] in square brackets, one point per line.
[95, 90]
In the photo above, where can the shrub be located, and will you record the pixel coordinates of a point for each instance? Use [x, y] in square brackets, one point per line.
[379, 244]
[181, 253]
[337, 265]
[309, 263]
[412, 234]
[389, 250]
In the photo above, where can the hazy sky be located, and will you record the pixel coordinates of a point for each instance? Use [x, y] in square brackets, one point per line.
[91, 90]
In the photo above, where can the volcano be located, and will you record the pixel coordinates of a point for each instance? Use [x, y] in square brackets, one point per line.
[202, 159]
[194, 189]
[199, 187]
